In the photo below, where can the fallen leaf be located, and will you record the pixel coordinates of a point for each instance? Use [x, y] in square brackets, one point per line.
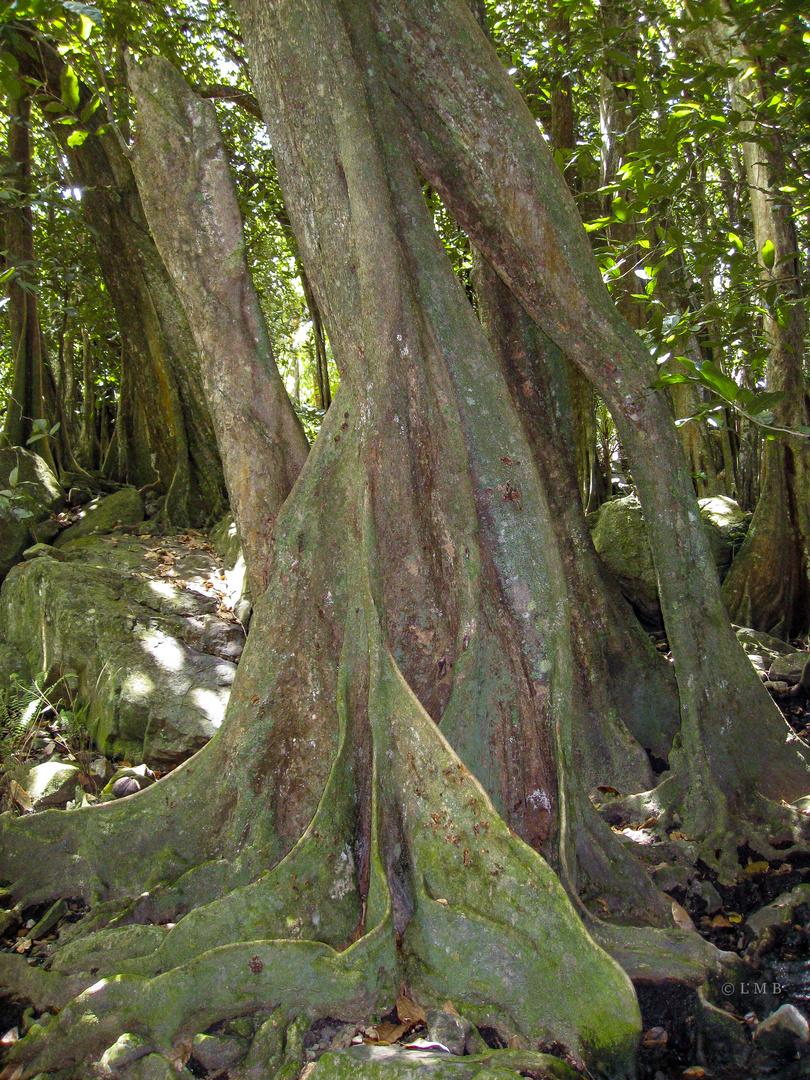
[409, 1012]
[695, 1072]
[450, 1009]
[756, 867]
[655, 1037]
[734, 918]
[20, 796]
[386, 1034]
[720, 922]
[307, 1069]
[681, 917]
[606, 790]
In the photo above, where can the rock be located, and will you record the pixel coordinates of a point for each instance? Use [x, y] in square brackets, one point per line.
[225, 540]
[127, 781]
[709, 895]
[49, 920]
[35, 495]
[762, 649]
[789, 668]
[42, 532]
[670, 876]
[785, 1034]
[620, 538]
[50, 784]
[222, 638]
[79, 495]
[398, 1063]
[723, 1042]
[450, 1030]
[35, 480]
[124, 1051]
[154, 1067]
[38, 551]
[780, 912]
[215, 1052]
[105, 513]
[153, 694]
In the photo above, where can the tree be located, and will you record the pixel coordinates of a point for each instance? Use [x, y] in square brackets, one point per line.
[400, 743]
[163, 431]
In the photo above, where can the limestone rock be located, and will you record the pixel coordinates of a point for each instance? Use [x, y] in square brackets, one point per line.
[37, 551]
[50, 784]
[215, 1052]
[137, 645]
[36, 495]
[780, 911]
[449, 1030]
[723, 1041]
[105, 513]
[785, 1034]
[124, 1051]
[763, 650]
[620, 538]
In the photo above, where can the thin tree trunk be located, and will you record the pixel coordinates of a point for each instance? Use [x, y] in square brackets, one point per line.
[26, 403]
[164, 431]
[260, 438]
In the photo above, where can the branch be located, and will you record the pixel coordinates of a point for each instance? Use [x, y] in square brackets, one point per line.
[223, 92]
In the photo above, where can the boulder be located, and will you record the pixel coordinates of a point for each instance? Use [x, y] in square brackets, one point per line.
[35, 495]
[136, 643]
[53, 783]
[784, 1035]
[620, 537]
[103, 514]
[215, 1053]
[762, 649]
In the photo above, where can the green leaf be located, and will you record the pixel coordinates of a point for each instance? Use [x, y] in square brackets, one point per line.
[69, 86]
[715, 380]
[13, 476]
[768, 255]
[76, 138]
[736, 241]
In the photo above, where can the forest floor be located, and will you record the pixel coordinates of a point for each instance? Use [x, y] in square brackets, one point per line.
[763, 918]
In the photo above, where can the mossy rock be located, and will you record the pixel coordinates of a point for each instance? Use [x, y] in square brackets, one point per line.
[398, 1063]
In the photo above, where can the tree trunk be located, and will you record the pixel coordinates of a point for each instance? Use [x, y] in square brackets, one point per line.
[26, 402]
[515, 206]
[164, 429]
[592, 480]
[329, 846]
[260, 438]
[768, 585]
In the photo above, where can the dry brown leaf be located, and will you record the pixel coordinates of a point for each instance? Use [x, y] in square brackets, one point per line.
[681, 917]
[20, 796]
[756, 867]
[386, 1034]
[720, 922]
[409, 1012]
[307, 1069]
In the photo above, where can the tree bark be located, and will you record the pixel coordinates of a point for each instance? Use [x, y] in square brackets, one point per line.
[768, 585]
[476, 142]
[164, 429]
[26, 400]
[261, 441]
